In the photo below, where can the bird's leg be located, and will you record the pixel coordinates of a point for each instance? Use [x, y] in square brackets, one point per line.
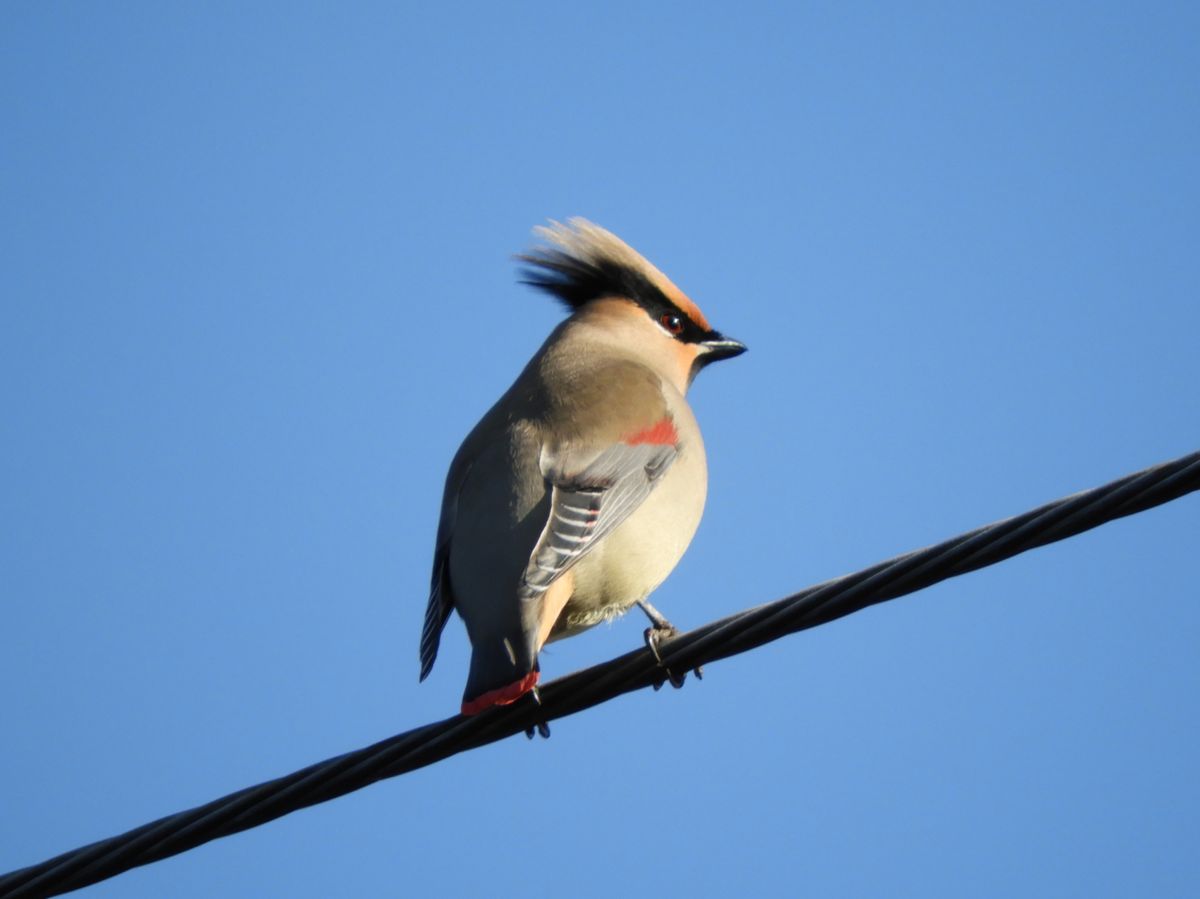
[541, 727]
[659, 630]
[657, 618]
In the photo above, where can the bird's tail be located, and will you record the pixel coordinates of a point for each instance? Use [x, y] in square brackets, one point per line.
[501, 673]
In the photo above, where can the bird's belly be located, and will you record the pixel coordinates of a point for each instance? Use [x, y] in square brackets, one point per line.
[636, 557]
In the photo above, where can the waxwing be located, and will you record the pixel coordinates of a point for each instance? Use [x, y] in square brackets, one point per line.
[580, 489]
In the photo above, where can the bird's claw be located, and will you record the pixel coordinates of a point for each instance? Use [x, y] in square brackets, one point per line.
[541, 727]
[661, 629]
[653, 637]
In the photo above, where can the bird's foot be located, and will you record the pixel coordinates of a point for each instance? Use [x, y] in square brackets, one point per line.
[659, 631]
[654, 635]
[541, 728]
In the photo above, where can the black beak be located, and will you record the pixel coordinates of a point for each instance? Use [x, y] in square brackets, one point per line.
[718, 346]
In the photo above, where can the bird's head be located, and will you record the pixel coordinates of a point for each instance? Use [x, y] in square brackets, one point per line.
[610, 286]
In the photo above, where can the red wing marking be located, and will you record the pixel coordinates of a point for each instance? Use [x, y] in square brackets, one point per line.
[662, 433]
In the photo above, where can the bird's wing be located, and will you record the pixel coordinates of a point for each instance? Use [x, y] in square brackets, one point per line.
[441, 600]
[593, 491]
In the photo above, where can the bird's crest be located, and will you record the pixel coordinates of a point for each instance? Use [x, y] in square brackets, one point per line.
[584, 262]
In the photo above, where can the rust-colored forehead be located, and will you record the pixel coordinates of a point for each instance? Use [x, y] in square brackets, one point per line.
[584, 262]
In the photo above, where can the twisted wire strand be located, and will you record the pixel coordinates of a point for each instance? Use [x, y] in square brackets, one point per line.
[636, 670]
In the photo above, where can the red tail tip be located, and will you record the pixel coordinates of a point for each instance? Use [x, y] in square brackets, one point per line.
[505, 695]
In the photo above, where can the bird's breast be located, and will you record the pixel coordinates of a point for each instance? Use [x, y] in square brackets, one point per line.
[639, 554]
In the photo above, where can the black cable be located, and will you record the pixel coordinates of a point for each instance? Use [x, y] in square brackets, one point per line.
[633, 671]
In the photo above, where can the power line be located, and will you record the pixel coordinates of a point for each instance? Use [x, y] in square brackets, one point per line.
[738, 633]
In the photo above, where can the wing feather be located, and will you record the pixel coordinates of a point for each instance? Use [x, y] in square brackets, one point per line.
[441, 599]
[437, 612]
[588, 504]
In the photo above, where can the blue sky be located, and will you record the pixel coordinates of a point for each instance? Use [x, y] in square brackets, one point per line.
[257, 285]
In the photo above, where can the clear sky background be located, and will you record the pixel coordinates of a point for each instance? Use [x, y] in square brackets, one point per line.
[256, 284]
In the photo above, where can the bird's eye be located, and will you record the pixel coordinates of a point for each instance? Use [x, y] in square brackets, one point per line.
[672, 322]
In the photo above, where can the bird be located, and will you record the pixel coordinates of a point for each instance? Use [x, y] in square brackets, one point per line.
[578, 492]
